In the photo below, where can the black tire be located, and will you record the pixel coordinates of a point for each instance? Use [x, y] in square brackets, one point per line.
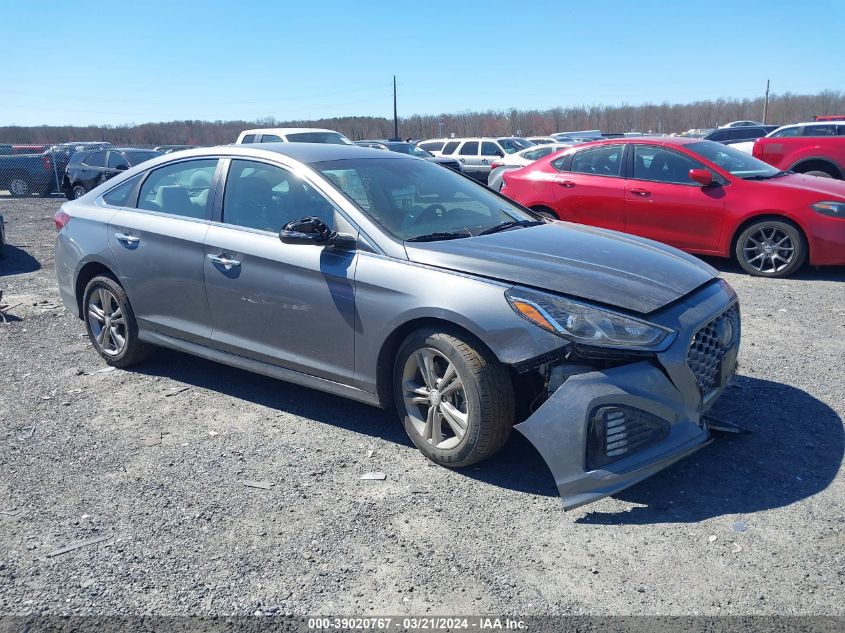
[487, 393]
[134, 350]
[20, 187]
[819, 173]
[545, 212]
[749, 256]
[78, 191]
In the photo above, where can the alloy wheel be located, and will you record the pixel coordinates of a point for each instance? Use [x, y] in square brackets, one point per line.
[19, 187]
[78, 191]
[768, 250]
[435, 399]
[107, 322]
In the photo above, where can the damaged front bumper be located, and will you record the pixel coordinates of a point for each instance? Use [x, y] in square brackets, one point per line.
[605, 430]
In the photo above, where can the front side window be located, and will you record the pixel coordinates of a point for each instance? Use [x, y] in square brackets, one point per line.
[417, 199]
[95, 159]
[470, 148]
[598, 161]
[266, 197]
[180, 188]
[661, 165]
[117, 161]
[787, 131]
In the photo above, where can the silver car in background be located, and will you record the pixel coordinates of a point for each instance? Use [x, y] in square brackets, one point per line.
[390, 280]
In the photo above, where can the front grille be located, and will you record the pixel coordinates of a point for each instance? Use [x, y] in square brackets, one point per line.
[709, 345]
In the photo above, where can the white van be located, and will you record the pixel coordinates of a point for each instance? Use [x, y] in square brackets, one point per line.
[293, 135]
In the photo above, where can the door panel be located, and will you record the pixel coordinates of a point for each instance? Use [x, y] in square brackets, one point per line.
[593, 190]
[288, 304]
[160, 264]
[664, 204]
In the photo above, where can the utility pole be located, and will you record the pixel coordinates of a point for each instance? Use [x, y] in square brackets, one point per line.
[395, 115]
[766, 103]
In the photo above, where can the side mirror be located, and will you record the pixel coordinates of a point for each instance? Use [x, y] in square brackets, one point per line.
[312, 230]
[121, 167]
[702, 176]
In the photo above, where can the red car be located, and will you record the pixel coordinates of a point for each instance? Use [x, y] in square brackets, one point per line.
[699, 196]
[815, 149]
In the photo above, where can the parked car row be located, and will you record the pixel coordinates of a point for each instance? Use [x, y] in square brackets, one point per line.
[476, 154]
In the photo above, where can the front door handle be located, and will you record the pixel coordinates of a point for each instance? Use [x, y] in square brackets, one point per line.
[566, 183]
[484, 160]
[129, 240]
[224, 260]
[641, 192]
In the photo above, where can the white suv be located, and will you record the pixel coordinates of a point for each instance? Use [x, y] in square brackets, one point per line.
[293, 135]
[477, 154]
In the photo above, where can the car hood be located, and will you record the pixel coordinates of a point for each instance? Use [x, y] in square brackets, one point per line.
[822, 188]
[604, 266]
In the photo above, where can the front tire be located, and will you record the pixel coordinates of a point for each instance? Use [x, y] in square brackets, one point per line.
[770, 248]
[456, 401]
[819, 174]
[111, 324]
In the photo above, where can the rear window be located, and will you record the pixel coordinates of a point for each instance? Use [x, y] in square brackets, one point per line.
[136, 158]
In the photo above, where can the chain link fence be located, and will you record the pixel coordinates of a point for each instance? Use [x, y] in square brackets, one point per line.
[67, 169]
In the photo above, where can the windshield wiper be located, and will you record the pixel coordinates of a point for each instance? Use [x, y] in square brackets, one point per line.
[504, 226]
[777, 174]
[441, 235]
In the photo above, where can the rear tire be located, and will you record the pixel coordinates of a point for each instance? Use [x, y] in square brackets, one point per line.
[464, 409]
[20, 187]
[770, 248]
[78, 191]
[110, 323]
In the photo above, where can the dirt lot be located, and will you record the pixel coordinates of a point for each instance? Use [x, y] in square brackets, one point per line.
[152, 459]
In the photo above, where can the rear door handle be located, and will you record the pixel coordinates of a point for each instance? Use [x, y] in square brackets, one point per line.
[224, 260]
[566, 183]
[641, 192]
[129, 240]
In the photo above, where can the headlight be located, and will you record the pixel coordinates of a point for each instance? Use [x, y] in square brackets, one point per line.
[587, 324]
[833, 209]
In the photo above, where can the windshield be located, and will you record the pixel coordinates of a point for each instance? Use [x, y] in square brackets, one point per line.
[413, 198]
[511, 145]
[332, 138]
[738, 163]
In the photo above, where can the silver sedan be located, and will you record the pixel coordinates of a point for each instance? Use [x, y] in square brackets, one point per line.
[390, 280]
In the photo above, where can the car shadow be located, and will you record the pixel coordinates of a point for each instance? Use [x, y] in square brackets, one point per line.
[17, 261]
[809, 273]
[793, 451]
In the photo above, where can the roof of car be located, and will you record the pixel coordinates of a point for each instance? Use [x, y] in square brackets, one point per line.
[282, 131]
[304, 152]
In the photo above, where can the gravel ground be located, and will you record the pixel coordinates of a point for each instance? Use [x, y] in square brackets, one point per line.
[151, 459]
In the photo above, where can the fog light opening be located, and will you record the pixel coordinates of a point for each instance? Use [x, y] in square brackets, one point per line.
[616, 431]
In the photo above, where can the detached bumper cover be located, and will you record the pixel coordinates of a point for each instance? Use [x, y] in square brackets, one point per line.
[664, 387]
[558, 430]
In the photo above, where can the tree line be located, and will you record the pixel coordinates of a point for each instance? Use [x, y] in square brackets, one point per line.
[649, 117]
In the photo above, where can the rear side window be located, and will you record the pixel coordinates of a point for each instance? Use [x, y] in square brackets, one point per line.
[820, 130]
[598, 161]
[249, 138]
[120, 196]
[271, 138]
[118, 161]
[789, 131]
[470, 148]
[181, 188]
[562, 162]
[450, 147]
[266, 197]
[95, 159]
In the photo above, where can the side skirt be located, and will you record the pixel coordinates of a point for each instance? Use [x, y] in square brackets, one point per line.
[259, 367]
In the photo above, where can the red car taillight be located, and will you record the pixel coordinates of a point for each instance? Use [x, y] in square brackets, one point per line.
[61, 219]
[756, 150]
[45, 158]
